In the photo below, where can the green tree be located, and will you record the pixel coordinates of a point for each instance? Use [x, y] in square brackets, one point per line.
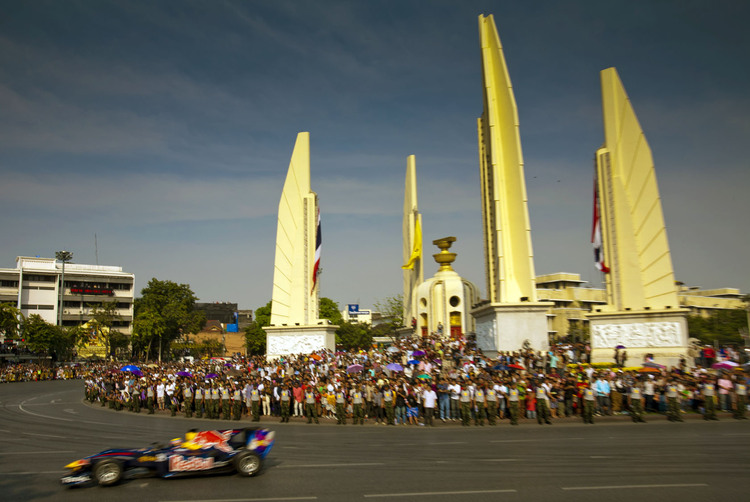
[166, 310]
[255, 337]
[353, 336]
[328, 309]
[45, 338]
[11, 319]
[392, 311]
[210, 348]
[722, 326]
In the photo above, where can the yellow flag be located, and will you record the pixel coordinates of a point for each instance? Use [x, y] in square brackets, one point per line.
[416, 252]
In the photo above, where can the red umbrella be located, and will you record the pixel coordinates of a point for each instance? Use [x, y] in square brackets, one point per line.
[516, 367]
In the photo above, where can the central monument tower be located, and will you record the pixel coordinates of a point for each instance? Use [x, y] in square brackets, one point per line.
[512, 317]
[295, 327]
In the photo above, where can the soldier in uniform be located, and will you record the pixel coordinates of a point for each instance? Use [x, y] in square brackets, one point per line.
[542, 404]
[389, 401]
[226, 403]
[709, 391]
[255, 402]
[740, 399]
[464, 402]
[358, 412]
[199, 400]
[480, 404]
[215, 398]
[340, 406]
[236, 401]
[673, 404]
[285, 399]
[636, 402]
[150, 396]
[589, 403]
[187, 398]
[491, 398]
[513, 403]
[312, 412]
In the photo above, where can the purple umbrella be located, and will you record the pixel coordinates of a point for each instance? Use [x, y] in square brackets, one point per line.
[355, 368]
[395, 367]
[651, 364]
[724, 365]
[620, 347]
[184, 374]
[418, 353]
[212, 375]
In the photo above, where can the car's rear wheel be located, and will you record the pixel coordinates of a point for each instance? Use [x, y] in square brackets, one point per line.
[247, 464]
[108, 472]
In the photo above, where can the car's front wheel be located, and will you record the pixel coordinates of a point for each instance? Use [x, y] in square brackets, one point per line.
[247, 464]
[108, 472]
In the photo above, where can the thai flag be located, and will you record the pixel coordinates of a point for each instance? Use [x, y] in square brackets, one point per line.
[318, 240]
[596, 235]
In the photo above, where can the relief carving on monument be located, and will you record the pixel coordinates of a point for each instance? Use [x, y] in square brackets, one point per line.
[295, 344]
[645, 334]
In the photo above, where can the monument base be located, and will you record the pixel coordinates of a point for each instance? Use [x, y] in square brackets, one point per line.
[289, 340]
[662, 334]
[511, 327]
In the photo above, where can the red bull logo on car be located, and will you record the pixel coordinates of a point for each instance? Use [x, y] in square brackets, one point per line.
[210, 439]
[178, 463]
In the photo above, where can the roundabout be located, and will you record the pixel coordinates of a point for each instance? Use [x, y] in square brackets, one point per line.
[46, 425]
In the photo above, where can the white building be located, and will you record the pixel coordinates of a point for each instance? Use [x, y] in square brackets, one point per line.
[444, 302]
[34, 287]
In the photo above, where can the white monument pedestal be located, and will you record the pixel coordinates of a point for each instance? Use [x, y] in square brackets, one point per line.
[662, 333]
[288, 340]
[511, 326]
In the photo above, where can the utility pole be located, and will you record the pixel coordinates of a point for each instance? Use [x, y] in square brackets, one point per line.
[63, 256]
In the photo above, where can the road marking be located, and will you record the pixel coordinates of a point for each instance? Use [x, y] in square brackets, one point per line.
[362, 464]
[30, 473]
[531, 440]
[619, 487]
[34, 452]
[245, 500]
[429, 494]
[498, 460]
[43, 435]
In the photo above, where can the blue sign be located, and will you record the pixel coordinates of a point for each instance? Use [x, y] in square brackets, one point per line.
[353, 308]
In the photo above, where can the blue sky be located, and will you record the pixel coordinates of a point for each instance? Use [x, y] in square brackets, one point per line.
[166, 129]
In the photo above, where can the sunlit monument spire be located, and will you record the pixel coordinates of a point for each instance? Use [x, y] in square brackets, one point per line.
[511, 317]
[412, 242]
[295, 327]
[642, 311]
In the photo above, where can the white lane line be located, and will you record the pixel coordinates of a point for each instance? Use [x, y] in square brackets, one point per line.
[43, 435]
[619, 487]
[244, 500]
[498, 460]
[30, 473]
[362, 464]
[531, 440]
[429, 494]
[34, 452]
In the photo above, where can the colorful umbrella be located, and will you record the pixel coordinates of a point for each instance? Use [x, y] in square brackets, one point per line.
[418, 353]
[648, 369]
[395, 367]
[131, 368]
[184, 374]
[620, 347]
[516, 367]
[725, 365]
[413, 361]
[651, 364]
[393, 348]
[355, 368]
[424, 376]
[212, 375]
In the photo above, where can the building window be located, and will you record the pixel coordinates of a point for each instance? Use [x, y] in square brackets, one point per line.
[9, 284]
[454, 301]
[39, 278]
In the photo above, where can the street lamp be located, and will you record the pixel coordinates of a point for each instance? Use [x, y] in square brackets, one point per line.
[63, 256]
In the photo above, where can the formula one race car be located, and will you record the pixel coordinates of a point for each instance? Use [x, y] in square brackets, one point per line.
[240, 450]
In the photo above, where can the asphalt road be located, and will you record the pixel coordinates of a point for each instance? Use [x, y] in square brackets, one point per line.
[45, 425]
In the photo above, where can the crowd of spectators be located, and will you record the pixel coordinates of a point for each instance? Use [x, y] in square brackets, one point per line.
[414, 382]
